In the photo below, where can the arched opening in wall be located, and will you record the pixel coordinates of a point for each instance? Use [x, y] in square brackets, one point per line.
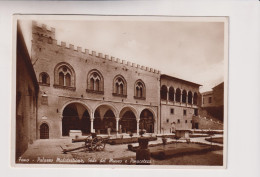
[75, 117]
[195, 98]
[190, 97]
[164, 92]
[120, 86]
[171, 94]
[128, 121]
[64, 76]
[139, 89]
[147, 121]
[178, 95]
[104, 120]
[44, 78]
[184, 96]
[44, 131]
[95, 82]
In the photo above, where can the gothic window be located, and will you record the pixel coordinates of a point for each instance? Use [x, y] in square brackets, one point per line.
[164, 92]
[95, 82]
[120, 86]
[44, 79]
[64, 76]
[184, 96]
[139, 90]
[171, 94]
[178, 95]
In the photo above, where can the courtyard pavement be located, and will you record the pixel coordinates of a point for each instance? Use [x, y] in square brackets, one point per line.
[50, 151]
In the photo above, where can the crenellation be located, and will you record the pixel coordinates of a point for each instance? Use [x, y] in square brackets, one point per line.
[63, 44]
[71, 46]
[54, 41]
[100, 55]
[79, 49]
[113, 59]
[87, 51]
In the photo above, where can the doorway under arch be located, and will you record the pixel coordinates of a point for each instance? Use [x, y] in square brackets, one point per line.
[75, 117]
[104, 120]
[44, 131]
[147, 121]
[128, 122]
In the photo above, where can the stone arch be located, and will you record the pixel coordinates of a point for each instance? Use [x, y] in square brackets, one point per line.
[171, 93]
[44, 78]
[184, 96]
[44, 129]
[147, 120]
[105, 115]
[195, 98]
[178, 95]
[190, 97]
[134, 110]
[111, 106]
[128, 119]
[164, 92]
[70, 71]
[76, 116]
[87, 107]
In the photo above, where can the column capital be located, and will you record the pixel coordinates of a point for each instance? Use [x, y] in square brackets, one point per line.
[92, 119]
[137, 120]
[118, 118]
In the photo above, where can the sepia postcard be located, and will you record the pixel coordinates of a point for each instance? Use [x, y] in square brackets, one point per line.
[119, 91]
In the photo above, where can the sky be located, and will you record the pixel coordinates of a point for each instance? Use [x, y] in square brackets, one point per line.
[189, 50]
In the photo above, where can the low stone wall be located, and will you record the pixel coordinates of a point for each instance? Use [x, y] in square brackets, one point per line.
[204, 123]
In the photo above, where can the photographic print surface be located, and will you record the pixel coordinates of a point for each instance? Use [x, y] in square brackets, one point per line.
[120, 90]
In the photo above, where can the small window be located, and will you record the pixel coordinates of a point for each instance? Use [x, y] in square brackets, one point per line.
[186, 121]
[196, 112]
[172, 111]
[44, 79]
[190, 121]
[210, 99]
[167, 120]
[184, 112]
[178, 121]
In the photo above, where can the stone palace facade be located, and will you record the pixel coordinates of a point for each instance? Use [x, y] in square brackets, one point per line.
[92, 92]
